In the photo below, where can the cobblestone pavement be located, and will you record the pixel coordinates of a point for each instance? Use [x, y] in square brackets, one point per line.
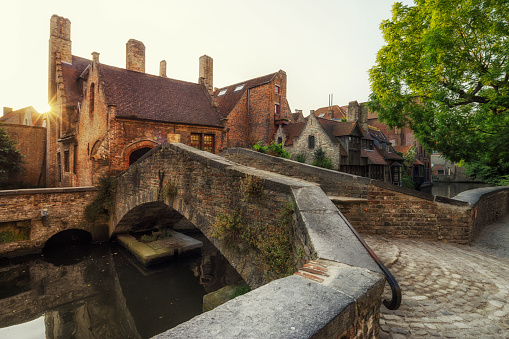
[449, 290]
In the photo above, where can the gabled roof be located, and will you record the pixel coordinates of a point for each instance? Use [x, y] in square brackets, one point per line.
[72, 80]
[337, 112]
[17, 116]
[337, 128]
[143, 96]
[293, 130]
[374, 157]
[402, 149]
[227, 101]
[149, 97]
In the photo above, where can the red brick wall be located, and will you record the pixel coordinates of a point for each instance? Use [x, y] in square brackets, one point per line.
[256, 110]
[129, 135]
[30, 142]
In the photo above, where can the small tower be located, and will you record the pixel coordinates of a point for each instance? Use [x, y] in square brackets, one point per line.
[135, 56]
[59, 42]
[206, 73]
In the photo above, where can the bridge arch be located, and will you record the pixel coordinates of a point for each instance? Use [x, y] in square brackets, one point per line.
[205, 188]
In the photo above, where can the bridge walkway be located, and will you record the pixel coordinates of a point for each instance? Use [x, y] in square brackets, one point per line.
[449, 290]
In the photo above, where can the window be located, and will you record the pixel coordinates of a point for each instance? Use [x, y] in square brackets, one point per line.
[311, 141]
[279, 140]
[66, 161]
[91, 96]
[239, 87]
[277, 109]
[196, 140]
[208, 143]
[277, 89]
[222, 92]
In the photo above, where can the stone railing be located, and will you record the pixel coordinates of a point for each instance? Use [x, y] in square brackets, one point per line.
[375, 207]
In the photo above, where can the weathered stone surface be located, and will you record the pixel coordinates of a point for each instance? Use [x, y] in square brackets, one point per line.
[292, 307]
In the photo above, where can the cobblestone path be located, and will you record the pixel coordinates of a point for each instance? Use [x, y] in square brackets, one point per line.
[449, 291]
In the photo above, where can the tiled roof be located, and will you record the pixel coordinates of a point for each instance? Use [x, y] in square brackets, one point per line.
[418, 162]
[149, 97]
[336, 128]
[293, 130]
[337, 112]
[374, 157]
[227, 101]
[402, 149]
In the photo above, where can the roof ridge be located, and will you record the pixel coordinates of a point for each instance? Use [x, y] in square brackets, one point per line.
[245, 81]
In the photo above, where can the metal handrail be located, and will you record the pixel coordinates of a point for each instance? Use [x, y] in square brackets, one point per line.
[395, 302]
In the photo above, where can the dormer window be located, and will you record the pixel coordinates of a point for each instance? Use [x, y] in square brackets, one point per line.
[239, 87]
[222, 92]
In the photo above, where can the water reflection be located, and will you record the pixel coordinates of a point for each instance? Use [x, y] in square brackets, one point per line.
[100, 291]
[451, 189]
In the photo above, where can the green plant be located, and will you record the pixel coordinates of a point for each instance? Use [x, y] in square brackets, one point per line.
[251, 186]
[278, 150]
[170, 189]
[321, 160]
[301, 157]
[240, 290]
[103, 200]
[9, 236]
[260, 147]
[271, 240]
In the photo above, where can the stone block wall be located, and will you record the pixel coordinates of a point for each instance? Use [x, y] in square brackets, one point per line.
[65, 211]
[30, 143]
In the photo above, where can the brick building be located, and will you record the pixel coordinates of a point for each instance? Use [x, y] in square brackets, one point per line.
[402, 139]
[352, 145]
[104, 118]
[27, 116]
[253, 109]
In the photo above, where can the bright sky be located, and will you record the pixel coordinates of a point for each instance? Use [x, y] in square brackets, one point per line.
[325, 46]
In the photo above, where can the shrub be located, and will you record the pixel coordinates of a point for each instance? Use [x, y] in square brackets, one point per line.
[321, 160]
[103, 201]
[301, 157]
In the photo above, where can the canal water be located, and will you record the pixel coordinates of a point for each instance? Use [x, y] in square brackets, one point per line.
[451, 189]
[101, 291]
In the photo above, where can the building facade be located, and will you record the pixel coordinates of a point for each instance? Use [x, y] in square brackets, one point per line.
[104, 118]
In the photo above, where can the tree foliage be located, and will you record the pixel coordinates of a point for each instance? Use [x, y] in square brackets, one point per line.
[445, 73]
[11, 161]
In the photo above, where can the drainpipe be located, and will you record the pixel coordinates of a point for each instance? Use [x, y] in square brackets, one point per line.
[247, 120]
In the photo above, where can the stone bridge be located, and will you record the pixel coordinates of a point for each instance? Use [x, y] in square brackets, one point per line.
[337, 288]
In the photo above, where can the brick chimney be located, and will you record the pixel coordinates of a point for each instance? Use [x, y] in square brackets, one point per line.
[135, 56]
[59, 42]
[357, 113]
[162, 68]
[95, 57]
[206, 73]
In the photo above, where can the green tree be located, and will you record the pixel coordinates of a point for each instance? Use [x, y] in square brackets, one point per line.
[321, 160]
[11, 161]
[445, 73]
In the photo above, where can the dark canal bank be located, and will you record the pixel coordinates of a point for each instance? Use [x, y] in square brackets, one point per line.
[101, 291]
[451, 189]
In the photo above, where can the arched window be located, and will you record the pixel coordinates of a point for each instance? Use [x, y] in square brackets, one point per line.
[91, 96]
[134, 156]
